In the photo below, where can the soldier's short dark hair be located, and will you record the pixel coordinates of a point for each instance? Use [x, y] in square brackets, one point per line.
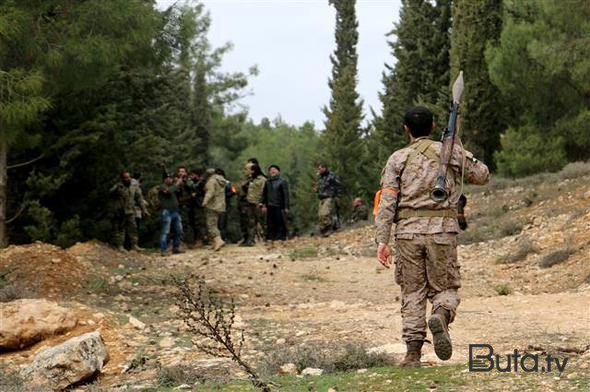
[275, 166]
[419, 120]
[256, 170]
[198, 172]
[220, 171]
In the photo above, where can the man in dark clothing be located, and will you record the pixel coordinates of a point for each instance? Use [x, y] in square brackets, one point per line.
[275, 203]
[328, 188]
[195, 186]
[169, 213]
[229, 193]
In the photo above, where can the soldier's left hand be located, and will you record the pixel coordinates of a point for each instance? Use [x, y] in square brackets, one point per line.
[384, 255]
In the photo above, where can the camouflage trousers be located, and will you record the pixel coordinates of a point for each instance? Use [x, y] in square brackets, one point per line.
[254, 221]
[426, 268]
[328, 214]
[212, 218]
[125, 224]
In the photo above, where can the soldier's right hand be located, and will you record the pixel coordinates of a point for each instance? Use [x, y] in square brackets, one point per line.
[384, 255]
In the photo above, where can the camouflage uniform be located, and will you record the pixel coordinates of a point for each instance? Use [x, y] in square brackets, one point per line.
[214, 203]
[254, 198]
[243, 203]
[127, 200]
[329, 187]
[360, 213]
[426, 263]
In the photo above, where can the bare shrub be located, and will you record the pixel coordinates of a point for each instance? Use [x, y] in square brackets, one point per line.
[12, 292]
[574, 170]
[556, 257]
[524, 247]
[177, 375]
[211, 320]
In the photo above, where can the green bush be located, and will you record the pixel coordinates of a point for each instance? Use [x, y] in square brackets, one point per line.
[503, 289]
[527, 151]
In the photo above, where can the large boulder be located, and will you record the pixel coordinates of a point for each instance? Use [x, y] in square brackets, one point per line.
[28, 321]
[75, 360]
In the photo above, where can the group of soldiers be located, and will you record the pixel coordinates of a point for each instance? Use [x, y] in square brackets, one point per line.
[424, 230]
[200, 200]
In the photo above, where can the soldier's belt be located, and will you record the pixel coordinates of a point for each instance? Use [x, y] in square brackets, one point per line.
[423, 213]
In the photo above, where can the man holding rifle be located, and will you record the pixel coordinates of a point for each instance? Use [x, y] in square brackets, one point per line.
[426, 228]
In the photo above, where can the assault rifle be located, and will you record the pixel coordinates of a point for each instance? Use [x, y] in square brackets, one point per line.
[440, 193]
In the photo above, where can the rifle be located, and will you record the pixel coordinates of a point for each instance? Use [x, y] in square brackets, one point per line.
[440, 193]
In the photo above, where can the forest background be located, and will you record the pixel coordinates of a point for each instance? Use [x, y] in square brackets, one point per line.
[90, 88]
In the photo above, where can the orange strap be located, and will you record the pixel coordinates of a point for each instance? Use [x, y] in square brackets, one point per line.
[377, 198]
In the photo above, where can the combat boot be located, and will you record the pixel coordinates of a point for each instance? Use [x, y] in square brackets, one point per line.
[218, 243]
[439, 326]
[413, 354]
[137, 248]
[121, 248]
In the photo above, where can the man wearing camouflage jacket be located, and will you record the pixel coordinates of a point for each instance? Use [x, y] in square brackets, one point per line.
[128, 199]
[426, 265]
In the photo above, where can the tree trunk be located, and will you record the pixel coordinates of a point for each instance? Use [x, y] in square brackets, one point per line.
[3, 199]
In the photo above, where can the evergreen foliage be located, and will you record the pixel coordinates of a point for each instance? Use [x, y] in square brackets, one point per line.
[420, 74]
[477, 24]
[342, 138]
[541, 65]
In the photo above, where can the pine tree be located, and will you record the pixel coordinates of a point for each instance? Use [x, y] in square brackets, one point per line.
[421, 51]
[342, 137]
[477, 24]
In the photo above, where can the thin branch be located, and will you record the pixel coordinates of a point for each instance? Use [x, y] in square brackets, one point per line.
[25, 163]
[19, 212]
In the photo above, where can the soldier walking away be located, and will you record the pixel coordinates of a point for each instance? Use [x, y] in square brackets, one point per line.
[214, 204]
[169, 213]
[360, 212]
[254, 203]
[127, 198]
[275, 204]
[426, 265]
[328, 189]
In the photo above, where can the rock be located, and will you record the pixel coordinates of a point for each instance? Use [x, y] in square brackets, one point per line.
[183, 387]
[361, 371]
[136, 323]
[288, 368]
[73, 361]
[312, 372]
[28, 321]
[332, 390]
[167, 342]
[281, 341]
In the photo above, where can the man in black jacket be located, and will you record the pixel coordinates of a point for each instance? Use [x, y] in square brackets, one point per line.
[275, 203]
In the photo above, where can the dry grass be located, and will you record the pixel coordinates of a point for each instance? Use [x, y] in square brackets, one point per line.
[556, 257]
[524, 248]
[178, 375]
[329, 357]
